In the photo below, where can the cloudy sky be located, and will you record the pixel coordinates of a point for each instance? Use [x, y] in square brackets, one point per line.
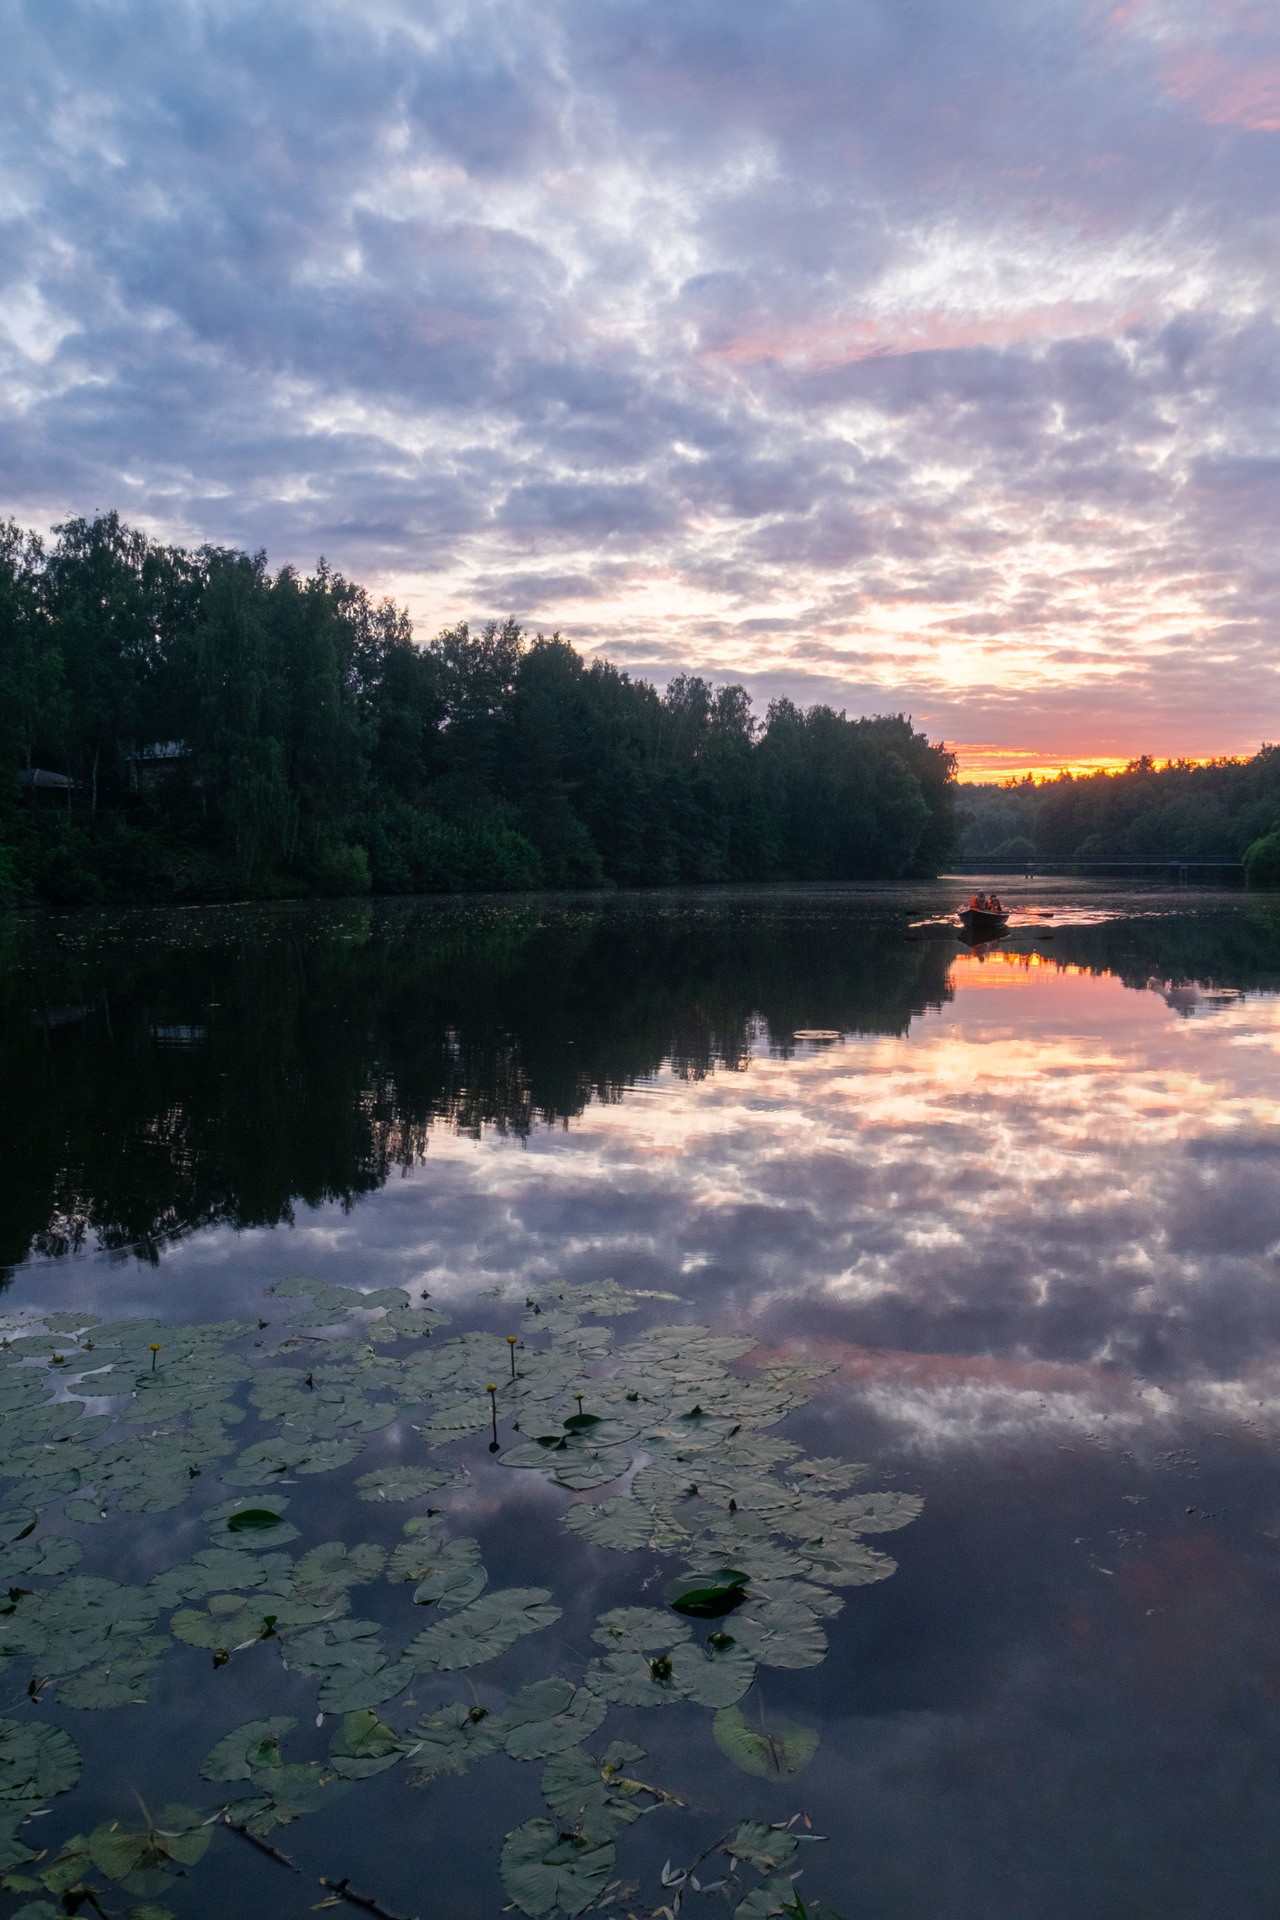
[903, 353]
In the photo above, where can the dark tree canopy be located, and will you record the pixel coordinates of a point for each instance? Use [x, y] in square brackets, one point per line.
[189, 725]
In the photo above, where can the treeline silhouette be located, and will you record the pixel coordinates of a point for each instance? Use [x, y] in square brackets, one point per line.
[1218, 811]
[174, 1071]
[178, 724]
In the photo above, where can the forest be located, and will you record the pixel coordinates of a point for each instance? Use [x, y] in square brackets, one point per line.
[1221, 810]
[186, 725]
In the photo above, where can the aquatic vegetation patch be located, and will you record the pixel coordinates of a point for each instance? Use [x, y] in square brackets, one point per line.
[658, 1445]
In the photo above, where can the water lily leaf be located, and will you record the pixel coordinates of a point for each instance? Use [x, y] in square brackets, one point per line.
[549, 1716]
[328, 1571]
[36, 1761]
[363, 1746]
[487, 1627]
[283, 1793]
[593, 1797]
[620, 1523]
[452, 1737]
[17, 1522]
[877, 1512]
[402, 1483]
[217, 1570]
[543, 1869]
[773, 1896]
[338, 1643]
[453, 1576]
[180, 1835]
[707, 1596]
[267, 1461]
[324, 1455]
[628, 1679]
[638, 1630]
[770, 1751]
[118, 1681]
[587, 1468]
[416, 1554]
[762, 1847]
[44, 1559]
[349, 1689]
[846, 1563]
[254, 1745]
[776, 1637]
[714, 1677]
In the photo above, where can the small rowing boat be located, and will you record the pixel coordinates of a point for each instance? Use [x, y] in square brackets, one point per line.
[983, 926]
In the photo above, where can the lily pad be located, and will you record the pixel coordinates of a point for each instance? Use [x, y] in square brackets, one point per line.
[618, 1523]
[638, 1630]
[248, 1748]
[714, 1677]
[448, 1740]
[402, 1483]
[594, 1797]
[453, 1576]
[36, 1761]
[708, 1596]
[486, 1628]
[543, 1869]
[771, 1751]
[764, 1848]
[549, 1716]
[363, 1746]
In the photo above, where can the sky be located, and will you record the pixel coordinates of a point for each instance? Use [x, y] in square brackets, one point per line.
[910, 355]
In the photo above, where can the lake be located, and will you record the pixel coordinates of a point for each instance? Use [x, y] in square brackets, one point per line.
[304, 1206]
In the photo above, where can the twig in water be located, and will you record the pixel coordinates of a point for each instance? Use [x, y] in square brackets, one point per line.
[263, 1846]
[345, 1891]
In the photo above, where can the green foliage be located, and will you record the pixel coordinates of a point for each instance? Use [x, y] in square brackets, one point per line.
[1262, 861]
[543, 1868]
[226, 730]
[1179, 811]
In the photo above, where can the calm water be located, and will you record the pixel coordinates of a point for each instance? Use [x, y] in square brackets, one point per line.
[1026, 1200]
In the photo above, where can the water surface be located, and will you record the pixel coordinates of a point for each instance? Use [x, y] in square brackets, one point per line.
[1024, 1199]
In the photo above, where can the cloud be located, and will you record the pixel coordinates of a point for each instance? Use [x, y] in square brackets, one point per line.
[785, 341]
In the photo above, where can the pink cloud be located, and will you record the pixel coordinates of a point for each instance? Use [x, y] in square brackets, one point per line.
[840, 342]
[1228, 91]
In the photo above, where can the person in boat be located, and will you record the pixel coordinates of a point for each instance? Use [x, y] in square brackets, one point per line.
[993, 903]
[975, 905]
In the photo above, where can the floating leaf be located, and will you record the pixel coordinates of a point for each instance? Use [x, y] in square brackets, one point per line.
[633, 1680]
[350, 1689]
[781, 1636]
[36, 1761]
[254, 1745]
[714, 1677]
[282, 1794]
[708, 1596]
[453, 1576]
[364, 1746]
[180, 1835]
[402, 1483]
[593, 1797]
[619, 1523]
[17, 1522]
[549, 1716]
[638, 1630]
[543, 1869]
[487, 1627]
[118, 1681]
[452, 1737]
[764, 1848]
[773, 1896]
[770, 1751]
[329, 1571]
